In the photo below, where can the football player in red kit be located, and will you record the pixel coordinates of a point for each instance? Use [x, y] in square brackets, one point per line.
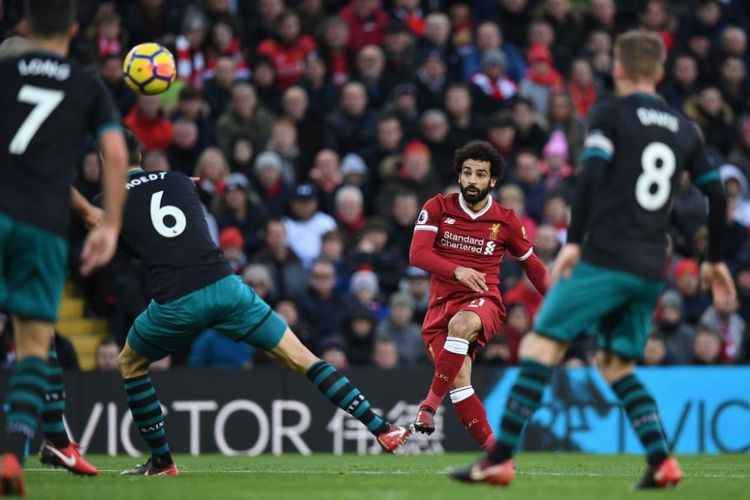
[461, 239]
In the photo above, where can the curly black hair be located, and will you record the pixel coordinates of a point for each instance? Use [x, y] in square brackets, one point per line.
[480, 151]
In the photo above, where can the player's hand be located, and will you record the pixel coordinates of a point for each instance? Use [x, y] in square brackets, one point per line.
[716, 278]
[471, 278]
[93, 216]
[99, 248]
[566, 260]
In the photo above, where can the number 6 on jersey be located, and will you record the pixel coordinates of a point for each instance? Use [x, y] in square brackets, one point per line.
[159, 213]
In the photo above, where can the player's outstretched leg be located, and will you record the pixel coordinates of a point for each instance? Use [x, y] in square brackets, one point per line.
[338, 390]
[463, 329]
[147, 414]
[538, 354]
[640, 407]
[57, 449]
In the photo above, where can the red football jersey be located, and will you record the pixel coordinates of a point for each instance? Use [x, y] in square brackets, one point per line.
[470, 239]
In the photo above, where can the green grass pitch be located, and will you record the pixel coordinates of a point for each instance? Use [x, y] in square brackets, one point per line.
[329, 477]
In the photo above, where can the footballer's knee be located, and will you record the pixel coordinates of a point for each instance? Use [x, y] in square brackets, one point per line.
[465, 325]
[613, 367]
[541, 349]
[131, 364]
[293, 354]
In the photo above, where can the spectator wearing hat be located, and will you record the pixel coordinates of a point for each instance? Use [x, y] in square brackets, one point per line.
[400, 326]
[436, 135]
[258, 276]
[541, 78]
[148, 123]
[274, 193]
[403, 215]
[263, 78]
[359, 333]
[349, 212]
[724, 319]
[217, 90]
[370, 71]
[321, 306]
[351, 126]
[287, 272]
[244, 115]
[185, 149]
[416, 285]
[437, 36]
[295, 106]
[325, 175]
[488, 38]
[431, 80]
[231, 243]
[364, 290]
[239, 207]
[686, 282]
[190, 106]
[554, 166]
[288, 49]
[492, 90]
[354, 172]
[189, 54]
[306, 223]
[676, 333]
[366, 21]
[400, 52]
[375, 251]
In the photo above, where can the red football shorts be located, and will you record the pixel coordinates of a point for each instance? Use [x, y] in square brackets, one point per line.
[435, 326]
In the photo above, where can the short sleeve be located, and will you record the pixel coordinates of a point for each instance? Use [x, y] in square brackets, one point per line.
[599, 142]
[428, 217]
[103, 114]
[518, 241]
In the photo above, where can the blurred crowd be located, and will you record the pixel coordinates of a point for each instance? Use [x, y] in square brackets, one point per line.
[318, 128]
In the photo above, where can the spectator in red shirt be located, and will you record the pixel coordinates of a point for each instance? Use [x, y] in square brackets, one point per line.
[366, 20]
[288, 49]
[149, 124]
[336, 51]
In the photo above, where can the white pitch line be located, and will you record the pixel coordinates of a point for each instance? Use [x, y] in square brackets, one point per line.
[403, 473]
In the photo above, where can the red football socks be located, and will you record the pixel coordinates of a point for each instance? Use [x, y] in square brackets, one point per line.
[447, 365]
[472, 414]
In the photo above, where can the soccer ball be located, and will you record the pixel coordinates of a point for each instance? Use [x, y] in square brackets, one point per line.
[149, 69]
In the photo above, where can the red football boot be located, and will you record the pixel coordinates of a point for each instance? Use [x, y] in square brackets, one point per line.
[149, 469]
[484, 471]
[666, 475]
[425, 421]
[67, 458]
[394, 437]
[11, 476]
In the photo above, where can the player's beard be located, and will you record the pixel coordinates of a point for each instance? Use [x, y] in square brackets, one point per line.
[476, 196]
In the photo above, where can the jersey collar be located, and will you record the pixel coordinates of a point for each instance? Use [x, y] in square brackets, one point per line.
[136, 172]
[474, 215]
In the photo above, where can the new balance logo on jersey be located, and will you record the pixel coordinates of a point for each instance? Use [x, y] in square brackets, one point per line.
[449, 220]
